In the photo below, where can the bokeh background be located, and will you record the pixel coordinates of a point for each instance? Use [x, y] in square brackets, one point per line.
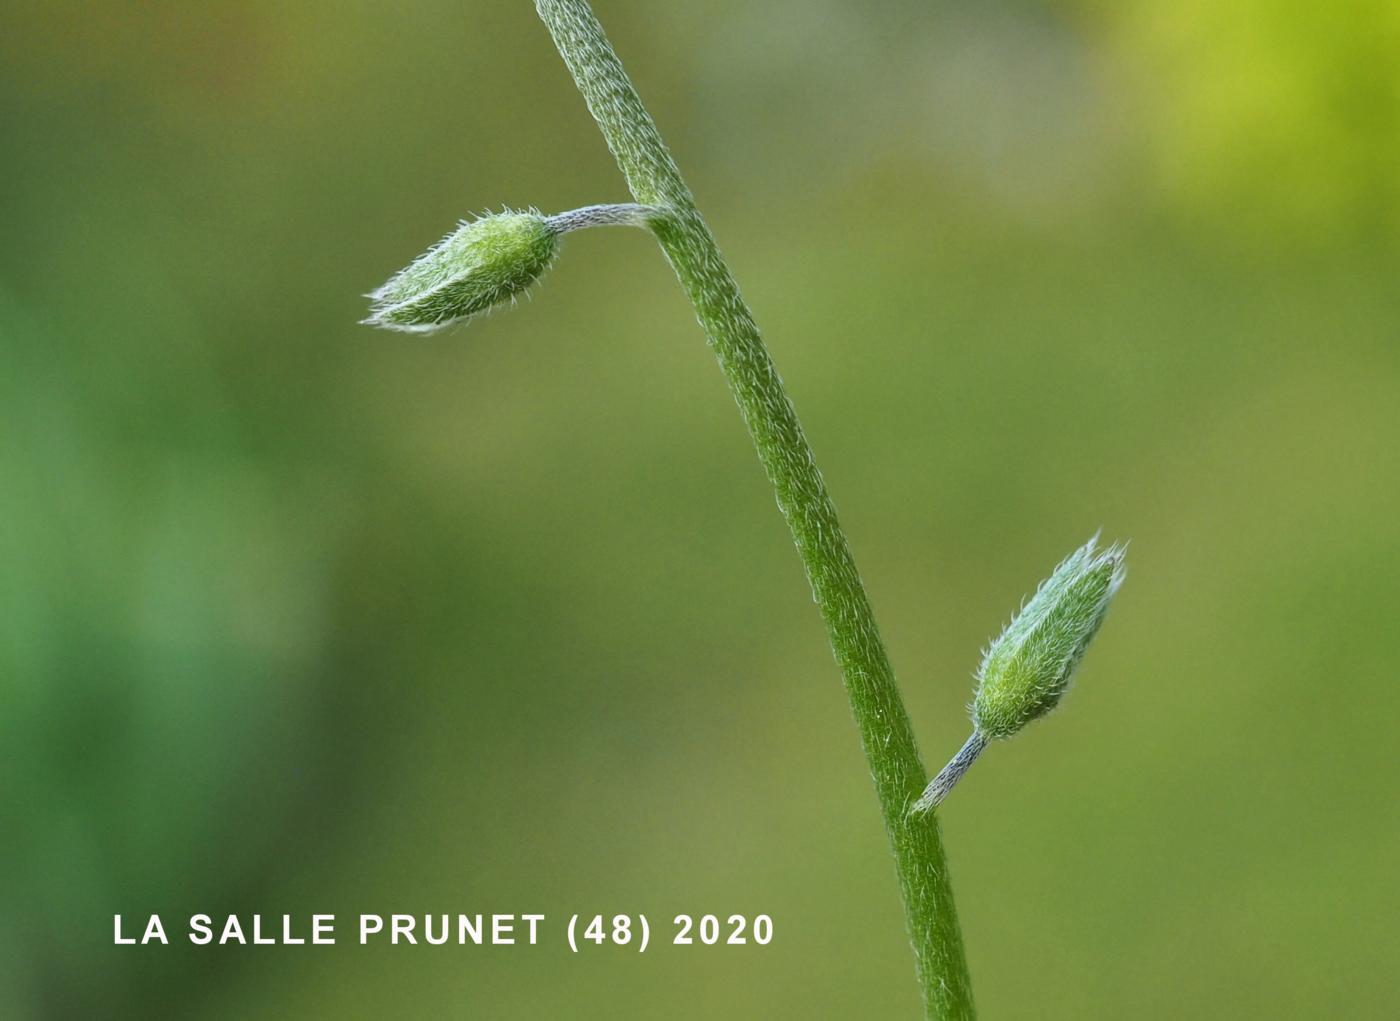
[298, 617]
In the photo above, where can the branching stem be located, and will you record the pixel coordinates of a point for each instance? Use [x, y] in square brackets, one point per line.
[885, 731]
[942, 784]
[622, 214]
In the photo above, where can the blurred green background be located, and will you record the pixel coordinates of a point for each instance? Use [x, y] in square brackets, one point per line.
[299, 617]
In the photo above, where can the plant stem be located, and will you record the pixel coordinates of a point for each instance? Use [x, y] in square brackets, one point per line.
[624, 214]
[942, 785]
[886, 734]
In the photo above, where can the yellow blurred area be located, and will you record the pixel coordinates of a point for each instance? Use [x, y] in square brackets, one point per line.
[1281, 119]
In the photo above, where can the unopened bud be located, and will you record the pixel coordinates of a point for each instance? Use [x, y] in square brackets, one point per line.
[1028, 668]
[483, 263]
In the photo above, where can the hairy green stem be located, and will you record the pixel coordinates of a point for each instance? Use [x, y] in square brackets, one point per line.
[886, 734]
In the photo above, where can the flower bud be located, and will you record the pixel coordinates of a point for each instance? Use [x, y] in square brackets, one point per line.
[1028, 668]
[481, 264]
